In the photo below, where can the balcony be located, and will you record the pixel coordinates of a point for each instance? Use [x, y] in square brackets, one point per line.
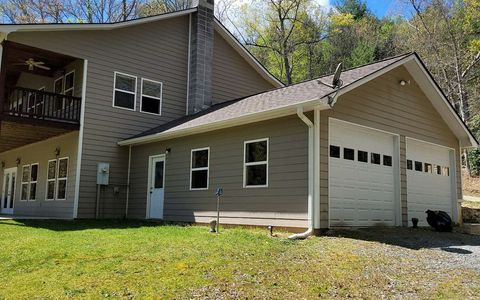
[39, 94]
[29, 105]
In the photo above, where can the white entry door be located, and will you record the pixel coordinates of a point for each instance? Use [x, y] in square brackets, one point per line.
[8, 191]
[362, 176]
[430, 180]
[156, 187]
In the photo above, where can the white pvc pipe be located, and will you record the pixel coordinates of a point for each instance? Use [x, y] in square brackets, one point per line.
[311, 179]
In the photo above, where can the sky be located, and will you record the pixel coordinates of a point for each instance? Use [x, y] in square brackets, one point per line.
[379, 7]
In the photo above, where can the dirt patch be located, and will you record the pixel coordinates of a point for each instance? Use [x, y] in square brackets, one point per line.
[471, 185]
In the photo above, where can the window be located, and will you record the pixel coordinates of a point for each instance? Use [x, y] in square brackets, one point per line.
[362, 156]
[428, 168]
[58, 89]
[151, 97]
[51, 179]
[446, 171]
[418, 166]
[33, 181]
[199, 169]
[387, 160]
[255, 173]
[25, 182]
[57, 174]
[439, 170]
[375, 158]
[69, 87]
[29, 182]
[348, 154]
[125, 91]
[334, 151]
[409, 165]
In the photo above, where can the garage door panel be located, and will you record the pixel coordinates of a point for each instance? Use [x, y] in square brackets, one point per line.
[361, 193]
[427, 189]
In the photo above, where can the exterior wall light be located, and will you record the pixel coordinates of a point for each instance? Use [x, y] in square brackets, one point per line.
[168, 150]
[18, 161]
[3, 164]
[57, 152]
[404, 82]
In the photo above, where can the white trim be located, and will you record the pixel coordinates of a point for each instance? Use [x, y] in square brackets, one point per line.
[152, 97]
[62, 178]
[149, 185]
[6, 28]
[245, 119]
[80, 140]
[316, 168]
[50, 180]
[188, 60]
[259, 163]
[207, 168]
[65, 82]
[363, 126]
[426, 142]
[115, 73]
[232, 41]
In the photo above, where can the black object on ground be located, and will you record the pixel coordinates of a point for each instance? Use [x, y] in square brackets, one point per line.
[439, 220]
[415, 222]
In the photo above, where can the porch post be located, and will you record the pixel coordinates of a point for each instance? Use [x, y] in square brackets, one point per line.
[3, 72]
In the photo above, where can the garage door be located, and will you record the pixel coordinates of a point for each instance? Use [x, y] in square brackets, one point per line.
[361, 176]
[429, 180]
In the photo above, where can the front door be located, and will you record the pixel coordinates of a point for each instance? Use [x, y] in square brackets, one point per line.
[8, 190]
[156, 187]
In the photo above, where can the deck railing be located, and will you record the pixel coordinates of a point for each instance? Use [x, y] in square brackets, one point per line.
[37, 104]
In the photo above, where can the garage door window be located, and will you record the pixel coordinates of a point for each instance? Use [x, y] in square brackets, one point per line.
[387, 160]
[446, 171]
[418, 166]
[439, 170]
[362, 156]
[255, 173]
[375, 158]
[348, 154]
[428, 168]
[334, 151]
[409, 165]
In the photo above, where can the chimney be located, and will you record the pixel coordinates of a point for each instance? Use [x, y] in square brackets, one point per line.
[201, 56]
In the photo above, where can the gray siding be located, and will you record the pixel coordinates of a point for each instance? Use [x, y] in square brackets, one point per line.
[156, 51]
[41, 153]
[384, 104]
[283, 203]
[233, 77]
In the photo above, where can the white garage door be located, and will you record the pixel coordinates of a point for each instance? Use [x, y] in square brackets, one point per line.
[429, 180]
[361, 176]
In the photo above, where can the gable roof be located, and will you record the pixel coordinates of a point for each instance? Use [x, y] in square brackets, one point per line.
[6, 29]
[306, 95]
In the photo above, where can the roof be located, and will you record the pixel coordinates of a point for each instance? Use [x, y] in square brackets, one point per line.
[282, 101]
[308, 95]
[222, 30]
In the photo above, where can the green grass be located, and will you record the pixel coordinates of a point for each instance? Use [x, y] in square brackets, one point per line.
[137, 260]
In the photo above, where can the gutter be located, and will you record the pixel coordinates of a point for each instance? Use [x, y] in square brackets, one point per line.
[128, 180]
[311, 178]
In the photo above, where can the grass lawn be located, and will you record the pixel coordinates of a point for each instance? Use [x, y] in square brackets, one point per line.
[130, 260]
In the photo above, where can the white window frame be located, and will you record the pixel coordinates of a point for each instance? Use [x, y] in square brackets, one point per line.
[159, 99]
[50, 180]
[61, 178]
[123, 91]
[207, 168]
[65, 82]
[30, 182]
[245, 164]
[22, 183]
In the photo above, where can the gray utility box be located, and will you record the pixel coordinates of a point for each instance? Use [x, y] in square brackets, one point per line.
[103, 173]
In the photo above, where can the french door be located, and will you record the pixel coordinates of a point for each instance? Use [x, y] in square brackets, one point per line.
[8, 190]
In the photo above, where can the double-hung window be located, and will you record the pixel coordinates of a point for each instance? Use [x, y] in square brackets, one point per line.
[199, 169]
[57, 175]
[255, 169]
[151, 97]
[29, 182]
[125, 91]
[69, 85]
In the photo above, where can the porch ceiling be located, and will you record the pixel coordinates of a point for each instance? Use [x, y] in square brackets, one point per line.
[19, 53]
[14, 134]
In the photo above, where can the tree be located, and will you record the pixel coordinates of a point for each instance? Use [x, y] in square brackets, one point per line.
[356, 8]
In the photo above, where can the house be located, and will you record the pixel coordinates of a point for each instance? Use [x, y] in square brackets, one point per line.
[164, 110]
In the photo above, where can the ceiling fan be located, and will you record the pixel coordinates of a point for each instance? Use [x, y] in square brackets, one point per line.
[32, 64]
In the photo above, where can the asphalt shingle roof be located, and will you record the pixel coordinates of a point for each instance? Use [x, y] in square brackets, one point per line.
[270, 100]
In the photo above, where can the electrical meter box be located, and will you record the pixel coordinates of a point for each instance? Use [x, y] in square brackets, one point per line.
[103, 173]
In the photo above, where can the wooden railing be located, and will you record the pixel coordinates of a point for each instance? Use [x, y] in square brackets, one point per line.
[40, 105]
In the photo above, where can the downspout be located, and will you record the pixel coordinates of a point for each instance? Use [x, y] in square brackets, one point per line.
[311, 179]
[128, 179]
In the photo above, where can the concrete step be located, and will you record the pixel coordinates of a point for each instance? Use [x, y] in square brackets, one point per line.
[471, 228]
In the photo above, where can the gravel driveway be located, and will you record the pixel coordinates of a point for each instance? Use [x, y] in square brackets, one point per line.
[449, 250]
